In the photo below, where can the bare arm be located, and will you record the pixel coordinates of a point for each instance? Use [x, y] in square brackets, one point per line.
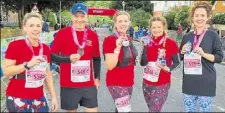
[209, 57]
[112, 59]
[49, 82]
[10, 68]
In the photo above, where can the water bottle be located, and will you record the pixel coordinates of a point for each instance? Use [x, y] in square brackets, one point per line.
[162, 61]
[161, 58]
[189, 46]
[146, 40]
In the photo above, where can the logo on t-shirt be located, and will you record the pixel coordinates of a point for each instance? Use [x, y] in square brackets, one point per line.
[89, 43]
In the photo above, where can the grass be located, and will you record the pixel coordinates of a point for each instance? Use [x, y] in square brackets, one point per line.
[8, 32]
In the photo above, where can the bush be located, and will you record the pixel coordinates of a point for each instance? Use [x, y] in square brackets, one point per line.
[51, 19]
[140, 17]
[182, 17]
[219, 18]
[170, 17]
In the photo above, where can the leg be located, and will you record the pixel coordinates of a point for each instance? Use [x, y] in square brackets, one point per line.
[70, 98]
[75, 110]
[147, 94]
[91, 109]
[89, 99]
[40, 105]
[119, 92]
[155, 96]
[18, 105]
[205, 103]
[190, 102]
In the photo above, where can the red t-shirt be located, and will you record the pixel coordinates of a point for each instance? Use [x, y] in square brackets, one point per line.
[118, 76]
[64, 44]
[19, 51]
[152, 54]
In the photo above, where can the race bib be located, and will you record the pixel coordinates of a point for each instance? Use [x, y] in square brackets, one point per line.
[36, 75]
[151, 72]
[192, 64]
[80, 71]
[123, 104]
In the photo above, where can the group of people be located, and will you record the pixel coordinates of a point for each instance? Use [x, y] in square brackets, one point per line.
[76, 49]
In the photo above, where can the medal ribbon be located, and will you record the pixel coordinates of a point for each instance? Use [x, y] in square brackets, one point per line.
[151, 42]
[197, 42]
[31, 48]
[75, 37]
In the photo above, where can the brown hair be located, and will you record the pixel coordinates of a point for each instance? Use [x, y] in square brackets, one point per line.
[161, 19]
[30, 15]
[200, 4]
[120, 13]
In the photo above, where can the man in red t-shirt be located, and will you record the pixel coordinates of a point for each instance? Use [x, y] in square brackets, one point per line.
[76, 49]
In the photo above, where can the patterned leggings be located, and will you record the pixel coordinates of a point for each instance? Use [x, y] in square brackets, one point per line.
[155, 96]
[25, 105]
[120, 91]
[205, 103]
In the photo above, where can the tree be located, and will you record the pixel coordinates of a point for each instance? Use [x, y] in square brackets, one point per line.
[147, 6]
[23, 6]
[99, 4]
[170, 16]
[182, 17]
[219, 18]
[140, 18]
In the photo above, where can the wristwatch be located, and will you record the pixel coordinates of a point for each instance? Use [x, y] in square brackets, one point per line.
[25, 65]
[168, 70]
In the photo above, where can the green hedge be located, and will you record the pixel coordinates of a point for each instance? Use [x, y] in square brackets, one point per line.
[219, 18]
[182, 17]
[170, 20]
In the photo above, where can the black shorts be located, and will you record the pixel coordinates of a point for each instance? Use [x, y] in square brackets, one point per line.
[72, 97]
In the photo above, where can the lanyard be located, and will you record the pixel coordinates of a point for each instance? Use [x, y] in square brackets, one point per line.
[118, 35]
[75, 37]
[151, 42]
[197, 42]
[31, 48]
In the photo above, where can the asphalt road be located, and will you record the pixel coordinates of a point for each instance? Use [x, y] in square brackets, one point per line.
[174, 102]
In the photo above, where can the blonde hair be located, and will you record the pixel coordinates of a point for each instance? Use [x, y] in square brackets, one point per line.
[200, 4]
[120, 13]
[30, 15]
[161, 19]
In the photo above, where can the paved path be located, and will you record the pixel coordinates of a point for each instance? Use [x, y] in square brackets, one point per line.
[174, 102]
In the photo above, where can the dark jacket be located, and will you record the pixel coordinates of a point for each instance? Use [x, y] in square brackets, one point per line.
[205, 84]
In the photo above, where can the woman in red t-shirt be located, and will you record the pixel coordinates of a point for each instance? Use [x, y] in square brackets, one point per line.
[160, 57]
[120, 55]
[27, 64]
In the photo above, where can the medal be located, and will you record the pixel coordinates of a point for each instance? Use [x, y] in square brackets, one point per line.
[80, 51]
[125, 43]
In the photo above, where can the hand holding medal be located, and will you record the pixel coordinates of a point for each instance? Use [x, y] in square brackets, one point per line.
[125, 41]
[119, 42]
[74, 57]
[36, 60]
[199, 51]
